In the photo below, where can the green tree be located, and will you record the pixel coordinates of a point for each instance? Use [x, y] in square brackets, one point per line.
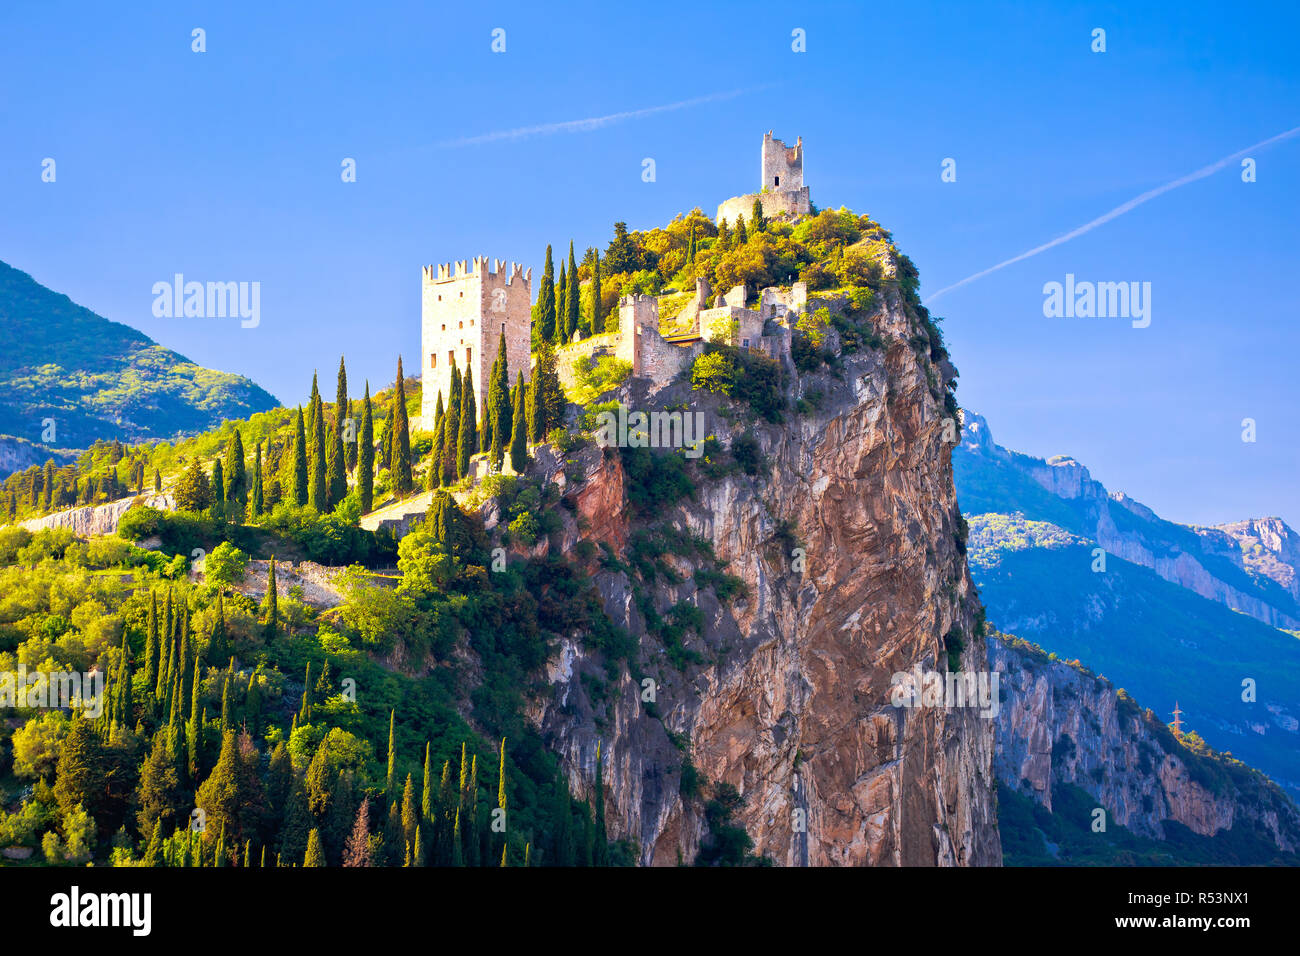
[192, 493]
[366, 456]
[218, 491]
[468, 420]
[236, 480]
[399, 467]
[298, 488]
[498, 400]
[518, 434]
[451, 428]
[233, 796]
[572, 298]
[546, 395]
[544, 311]
[317, 492]
[151, 642]
[259, 496]
[337, 471]
[433, 476]
[270, 605]
[315, 856]
[597, 316]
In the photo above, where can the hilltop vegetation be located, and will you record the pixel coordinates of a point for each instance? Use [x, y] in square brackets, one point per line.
[100, 380]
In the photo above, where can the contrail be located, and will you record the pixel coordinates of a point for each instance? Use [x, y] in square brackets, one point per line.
[590, 123]
[1121, 209]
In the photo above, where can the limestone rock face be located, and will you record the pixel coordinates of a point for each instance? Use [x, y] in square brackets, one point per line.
[1060, 725]
[97, 519]
[848, 548]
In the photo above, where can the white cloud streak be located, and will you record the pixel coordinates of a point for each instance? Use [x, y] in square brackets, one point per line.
[1119, 210]
[588, 124]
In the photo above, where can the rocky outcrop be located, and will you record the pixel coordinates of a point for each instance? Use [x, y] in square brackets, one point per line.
[848, 548]
[98, 519]
[1061, 724]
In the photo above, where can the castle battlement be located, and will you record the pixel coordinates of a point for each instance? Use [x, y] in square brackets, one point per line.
[478, 266]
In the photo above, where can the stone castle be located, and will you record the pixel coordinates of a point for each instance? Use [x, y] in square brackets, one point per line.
[467, 310]
[782, 191]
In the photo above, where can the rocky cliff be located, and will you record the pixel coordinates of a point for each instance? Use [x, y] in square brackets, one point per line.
[849, 555]
[1061, 724]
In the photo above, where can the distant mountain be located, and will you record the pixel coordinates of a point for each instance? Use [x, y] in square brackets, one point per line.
[1249, 566]
[99, 379]
[1180, 614]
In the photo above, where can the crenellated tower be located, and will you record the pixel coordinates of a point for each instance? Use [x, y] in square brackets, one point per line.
[465, 310]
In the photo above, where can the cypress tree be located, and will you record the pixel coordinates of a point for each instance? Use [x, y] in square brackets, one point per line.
[236, 481]
[573, 295]
[391, 779]
[499, 411]
[561, 305]
[518, 434]
[473, 856]
[451, 428]
[270, 604]
[544, 311]
[562, 823]
[419, 858]
[151, 642]
[337, 472]
[458, 854]
[426, 790]
[468, 437]
[259, 497]
[410, 816]
[597, 319]
[546, 409]
[399, 466]
[341, 399]
[157, 480]
[315, 856]
[742, 236]
[298, 494]
[366, 456]
[316, 494]
[218, 491]
[433, 477]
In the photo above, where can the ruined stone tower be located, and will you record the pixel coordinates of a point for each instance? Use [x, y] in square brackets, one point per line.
[781, 188]
[463, 315]
[782, 165]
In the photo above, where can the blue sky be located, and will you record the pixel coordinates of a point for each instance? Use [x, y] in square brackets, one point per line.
[225, 166]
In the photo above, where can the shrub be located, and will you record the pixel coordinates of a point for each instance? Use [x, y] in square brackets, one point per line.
[746, 451]
[225, 566]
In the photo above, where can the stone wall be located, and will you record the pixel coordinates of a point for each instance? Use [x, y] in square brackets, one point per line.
[776, 203]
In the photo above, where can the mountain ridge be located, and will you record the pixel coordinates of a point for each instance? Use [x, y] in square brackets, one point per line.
[91, 378]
